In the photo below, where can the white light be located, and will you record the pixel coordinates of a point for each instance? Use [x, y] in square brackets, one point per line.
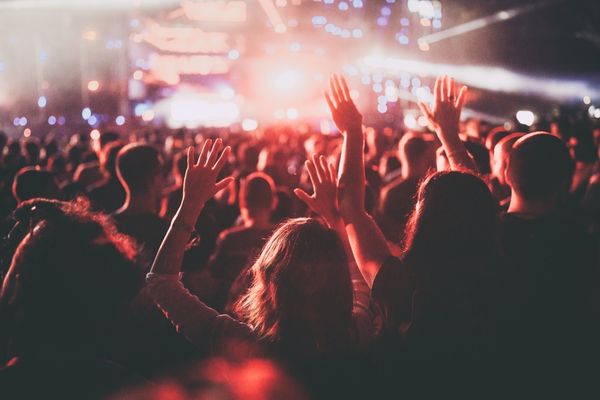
[148, 115]
[586, 100]
[27, 132]
[525, 117]
[95, 134]
[413, 5]
[93, 85]
[227, 93]
[382, 108]
[287, 80]
[426, 9]
[138, 75]
[423, 94]
[354, 94]
[249, 124]
[422, 121]
[233, 54]
[591, 110]
[51, 120]
[16, 121]
[357, 33]
[343, 6]
[23, 121]
[292, 113]
[86, 113]
[410, 121]
[120, 120]
[597, 113]
[42, 101]
[92, 120]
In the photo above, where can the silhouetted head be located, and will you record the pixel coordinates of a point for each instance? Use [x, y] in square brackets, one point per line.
[495, 135]
[108, 158]
[301, 292]
[257, 193]
[501, 153]
[71, 273]
[415, 153]
[539, 167]
[451, 232]
[32, 182]
[139, 168]
[108, 137]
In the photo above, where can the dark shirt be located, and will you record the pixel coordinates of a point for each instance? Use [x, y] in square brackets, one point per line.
[147, 229]
[107, 195]
[397, 202]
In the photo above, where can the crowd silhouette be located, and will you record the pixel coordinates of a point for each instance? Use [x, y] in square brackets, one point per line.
[292, 264]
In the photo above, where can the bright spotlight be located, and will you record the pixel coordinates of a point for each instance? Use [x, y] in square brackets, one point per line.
[86, 113]
[525, 117]
[95, 134]
[249, 124]
[287, 80]
[93, 85]
[120, 120]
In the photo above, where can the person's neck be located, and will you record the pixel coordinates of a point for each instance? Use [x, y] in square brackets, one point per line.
[258, 221]
[530, 208]
[139, 204]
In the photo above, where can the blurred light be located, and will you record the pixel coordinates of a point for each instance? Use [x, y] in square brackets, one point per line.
[134, 23]
[382, 108]
[93, 85]
[382, 21]
[23, 121]
[249, 124]
[425, 22]
[354, 94]
[377, 87]
[27, 132]
[405, 22]
[280, 28]
[597, 113]
[61, 120]
[293, 23]
[325, 127]
[319, 20]
[138, 75]
[287, 80]
[423, 94]
[525, 117]
[233, 54]
[426, 9]
[139, 109]
[410, 121]
[291, 113]
[413, 5]
[227, 93]
[120, 120]
[386, 11]
[403, 39]
[295, 47]
[42, 102]
[586, 100]
[148, 115]
[17, 121]
[93, 120]
[416, 82]
[437, 24]
[42, 56]
[89, 35]
[422, 121]
[343, 6]
[95, 134]
[591, 110]
[357, 4]
[279, 114]
[86, 113]
[328, 1]
[51, 120]
[357, 33]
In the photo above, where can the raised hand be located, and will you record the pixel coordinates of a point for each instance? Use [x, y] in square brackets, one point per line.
[324, 199]
[345, 115]
[199, 183]
[447, 107]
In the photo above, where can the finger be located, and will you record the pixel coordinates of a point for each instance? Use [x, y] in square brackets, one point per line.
[223, 183]
[191, 154]
[214, 152]
[318, 168]
[337, 91]
[325, 176]
[425, 110]
[222, 160]
[438, 92]
[312, 174]
[450, 88]
[462, 96]
[333, 173]
[304, 197]
[329, 101]
[202, 157]
[344, 87]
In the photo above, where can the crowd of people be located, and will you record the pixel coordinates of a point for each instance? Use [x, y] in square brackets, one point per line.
[290, 264]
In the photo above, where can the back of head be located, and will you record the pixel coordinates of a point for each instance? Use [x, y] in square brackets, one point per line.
[480, 155]
[70, 274]
[502, 151]
[413, 150]
[452, 226]
[31, 182]
[257, 192]
[108, 137]
[138, 165]
[301, 293]
[539, 167]
[108, 158]
[495, 135]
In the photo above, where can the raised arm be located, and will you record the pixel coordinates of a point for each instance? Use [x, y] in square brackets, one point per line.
[445, 117]
[366, 239]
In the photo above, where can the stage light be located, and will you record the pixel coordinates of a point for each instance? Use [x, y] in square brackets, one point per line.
[17, 121]
[120, 120]
[89, 35]
[42, 101]
[597, 113]
[382, 108]
[249, 124]
[319, 20]
[51, 120]
[386, 11]
[291, 113]
[405, 21]
[525, 117]
[591, 110]
[227, 93]
[357, 33]
[27, 132]
[343, 6]
[233, 54]
[23, 121]
[95, 134]
[382, 21]
[586, 100]
[295, 47]
[138, 75]
[377, 88]
[413, 5]
[93, 85]
[287, 80]
[86, 113]
[92, 120]
[422, 121]
[354, 94]
[437, 24]
[357, 4]
[61, 120]
[410, 121]
[426, 9]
